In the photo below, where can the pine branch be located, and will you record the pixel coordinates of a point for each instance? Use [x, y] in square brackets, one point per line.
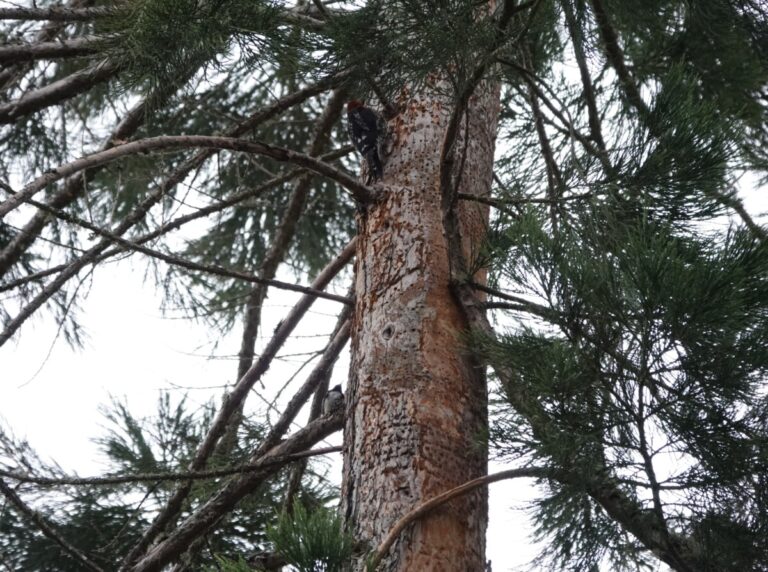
[234, 400]
[71, 189]
[599, 484]
[46, 528]
[554, 177]
[12, 75]
[360, 192]
[182, 262]
[74, 186]
[16, 53]
[177, 222]
[58, 13]
[426, 507]
[224, 500]
[615, 56]
[316, 407]
[299, 399]
[595, 128]
[533, 82]
[501, 204]
[166, 477]
[283, 236]
[58, 91]
[532, 307]
[285, 232]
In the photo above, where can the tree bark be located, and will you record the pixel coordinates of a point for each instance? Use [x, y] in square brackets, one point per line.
[416, 414]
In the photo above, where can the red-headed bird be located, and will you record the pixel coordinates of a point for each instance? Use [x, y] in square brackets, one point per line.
[368, 131]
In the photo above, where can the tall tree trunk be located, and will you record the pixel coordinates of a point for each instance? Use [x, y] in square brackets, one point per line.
[416, 401]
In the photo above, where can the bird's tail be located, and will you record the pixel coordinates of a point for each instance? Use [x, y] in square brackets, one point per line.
[375, 169]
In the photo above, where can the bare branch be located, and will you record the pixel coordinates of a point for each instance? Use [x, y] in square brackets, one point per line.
[16, 53]
[57, 13]
[359, 191]
[45, 527]
[58, 91]
[163, 477]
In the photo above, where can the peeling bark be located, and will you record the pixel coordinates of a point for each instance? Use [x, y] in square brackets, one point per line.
[417, 406]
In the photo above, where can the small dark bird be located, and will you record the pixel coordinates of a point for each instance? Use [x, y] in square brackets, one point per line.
[368, 132]
[334, 399]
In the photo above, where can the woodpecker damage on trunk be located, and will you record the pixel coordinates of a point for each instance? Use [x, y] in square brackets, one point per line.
[416, 405]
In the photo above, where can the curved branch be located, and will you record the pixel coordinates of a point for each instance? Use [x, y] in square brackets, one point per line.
[427, 506]
[360, 192]
[74, 186]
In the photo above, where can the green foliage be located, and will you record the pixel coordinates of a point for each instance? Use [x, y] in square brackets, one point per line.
[312, 541]
[646, 335]
[105, 522]
[161, 42]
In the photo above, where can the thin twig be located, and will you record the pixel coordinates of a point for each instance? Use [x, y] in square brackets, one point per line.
[161, 477]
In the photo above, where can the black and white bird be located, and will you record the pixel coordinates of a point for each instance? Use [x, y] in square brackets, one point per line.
[334, 400]
[368, 132]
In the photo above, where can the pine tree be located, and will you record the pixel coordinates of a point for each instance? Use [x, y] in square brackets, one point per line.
[557, 269]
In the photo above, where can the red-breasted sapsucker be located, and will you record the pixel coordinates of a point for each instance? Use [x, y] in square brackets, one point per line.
[368, 132]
